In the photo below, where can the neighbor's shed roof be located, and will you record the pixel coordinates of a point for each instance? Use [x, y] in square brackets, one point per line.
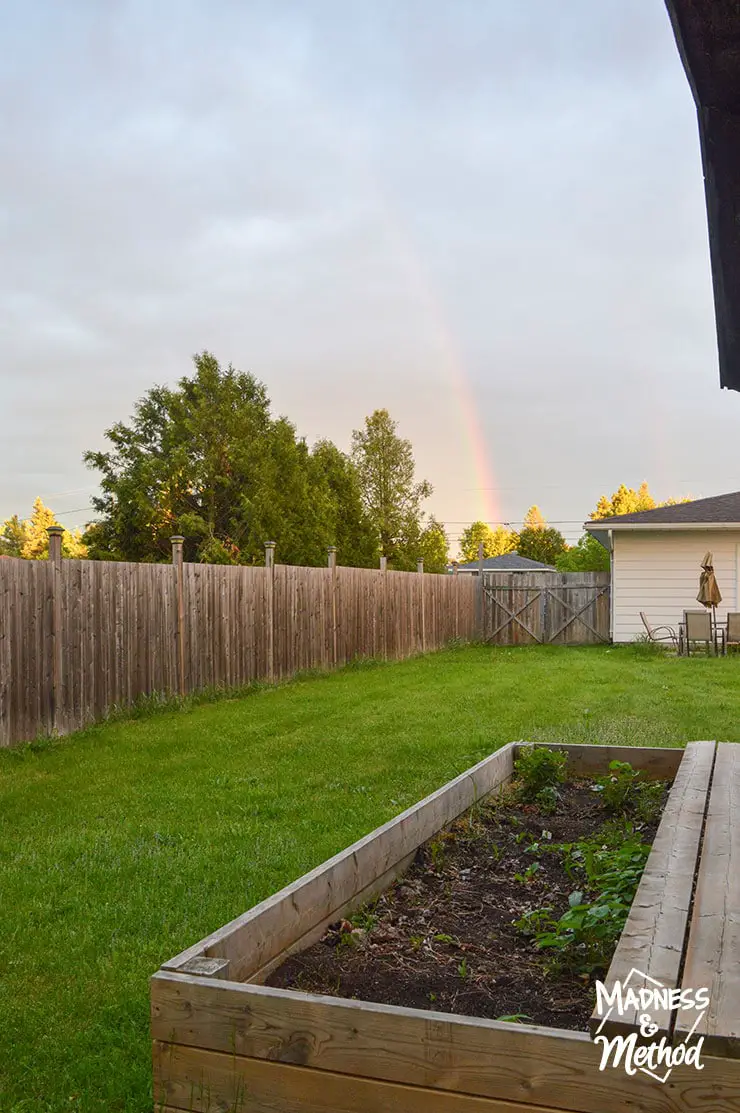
[718, 512]
[508, 562]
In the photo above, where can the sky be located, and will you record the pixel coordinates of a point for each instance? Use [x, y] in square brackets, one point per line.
[486, 217]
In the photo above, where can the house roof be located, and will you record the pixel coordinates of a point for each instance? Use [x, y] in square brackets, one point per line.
[718, 512]
[508, 562]
[708, 38]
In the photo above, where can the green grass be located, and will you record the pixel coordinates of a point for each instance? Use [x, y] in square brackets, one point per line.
[121, 846]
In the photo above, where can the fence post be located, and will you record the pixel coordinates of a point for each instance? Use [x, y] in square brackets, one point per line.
[55, 559]
[384, 596]
[420, 572]
[270, 567]
[332, 564]
[480, 594]
[177, 543]
[456, 592]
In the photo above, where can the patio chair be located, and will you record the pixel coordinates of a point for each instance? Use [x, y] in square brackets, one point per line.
[732, 634]
[659, 633]
[697, 627]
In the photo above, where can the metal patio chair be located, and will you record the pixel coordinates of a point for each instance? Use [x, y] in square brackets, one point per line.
[659, 633]
[732, 632]
[697, 629]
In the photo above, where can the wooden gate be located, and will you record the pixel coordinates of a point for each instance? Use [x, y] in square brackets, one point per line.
[554, 608]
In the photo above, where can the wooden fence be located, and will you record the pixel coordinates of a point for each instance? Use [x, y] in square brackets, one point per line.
[80, 637]
[526, 608]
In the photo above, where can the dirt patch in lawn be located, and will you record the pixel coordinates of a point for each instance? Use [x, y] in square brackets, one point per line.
[445, 936]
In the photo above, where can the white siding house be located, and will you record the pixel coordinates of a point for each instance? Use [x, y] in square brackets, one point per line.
[656, 561]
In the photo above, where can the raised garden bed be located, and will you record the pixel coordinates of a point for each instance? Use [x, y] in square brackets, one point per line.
[225, 1041]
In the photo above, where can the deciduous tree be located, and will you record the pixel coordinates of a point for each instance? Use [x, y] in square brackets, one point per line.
[29, 539]
[627, 500]
[588, 555]
[495, 541]
[533, 519]
[543, 543]
[391, 495]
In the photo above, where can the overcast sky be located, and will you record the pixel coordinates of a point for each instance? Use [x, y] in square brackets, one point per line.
[487, 217]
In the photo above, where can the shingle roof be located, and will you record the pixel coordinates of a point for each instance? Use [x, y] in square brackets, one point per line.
[718, 510]
[509, 562]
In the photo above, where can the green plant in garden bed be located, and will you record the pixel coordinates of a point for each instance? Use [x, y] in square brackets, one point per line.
[583, 938]
[537, 772]
[625, 790]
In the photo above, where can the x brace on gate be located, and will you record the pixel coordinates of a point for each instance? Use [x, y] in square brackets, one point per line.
[577, 614]
[514, 616]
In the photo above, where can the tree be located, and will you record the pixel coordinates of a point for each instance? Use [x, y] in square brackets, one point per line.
[351, 528]
[543, 543]
[12, 537]
[207, 460]
[627, 500]
[433, 547]
[495, 541]
[533, 519]
[29, 539]
[390, 495]
[588, 555]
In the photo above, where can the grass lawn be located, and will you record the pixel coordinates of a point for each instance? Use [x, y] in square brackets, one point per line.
[124, 844]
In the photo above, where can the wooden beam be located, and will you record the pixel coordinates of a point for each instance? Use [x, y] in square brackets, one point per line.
[203, 1081]
[253, 940]
[651, 945]
[713, 952]
[486, 1058]
[657, 762]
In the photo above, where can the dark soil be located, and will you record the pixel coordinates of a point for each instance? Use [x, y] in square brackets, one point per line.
[443, 937]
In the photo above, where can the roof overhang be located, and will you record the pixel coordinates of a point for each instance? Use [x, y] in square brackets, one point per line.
[601, 526]
[708, 38]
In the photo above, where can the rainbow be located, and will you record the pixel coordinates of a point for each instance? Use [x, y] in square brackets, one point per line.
[479, 454]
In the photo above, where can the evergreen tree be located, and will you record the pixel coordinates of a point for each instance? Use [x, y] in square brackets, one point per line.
[207, 460]
[351, 528]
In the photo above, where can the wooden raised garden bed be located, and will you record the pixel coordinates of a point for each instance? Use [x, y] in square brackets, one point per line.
[224, 1042]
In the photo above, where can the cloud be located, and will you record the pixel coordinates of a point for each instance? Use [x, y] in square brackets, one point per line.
[361, 203]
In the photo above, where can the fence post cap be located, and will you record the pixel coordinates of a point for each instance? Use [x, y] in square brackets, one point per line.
[331, 548]
[270, 544]
[177, 538]
[55, 531]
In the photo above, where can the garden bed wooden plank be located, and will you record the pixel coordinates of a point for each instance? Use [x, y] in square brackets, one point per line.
[254, 940]
[539, 1067]
[201, 1081]
[661, 763]
[652, 942]
[713, 952]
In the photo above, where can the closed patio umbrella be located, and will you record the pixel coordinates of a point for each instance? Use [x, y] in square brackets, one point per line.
[709, 593]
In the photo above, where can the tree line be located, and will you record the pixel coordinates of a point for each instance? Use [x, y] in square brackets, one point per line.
[538, 541]
[207, 460]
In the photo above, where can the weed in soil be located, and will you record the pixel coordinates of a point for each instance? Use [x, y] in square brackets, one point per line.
[509, 913]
